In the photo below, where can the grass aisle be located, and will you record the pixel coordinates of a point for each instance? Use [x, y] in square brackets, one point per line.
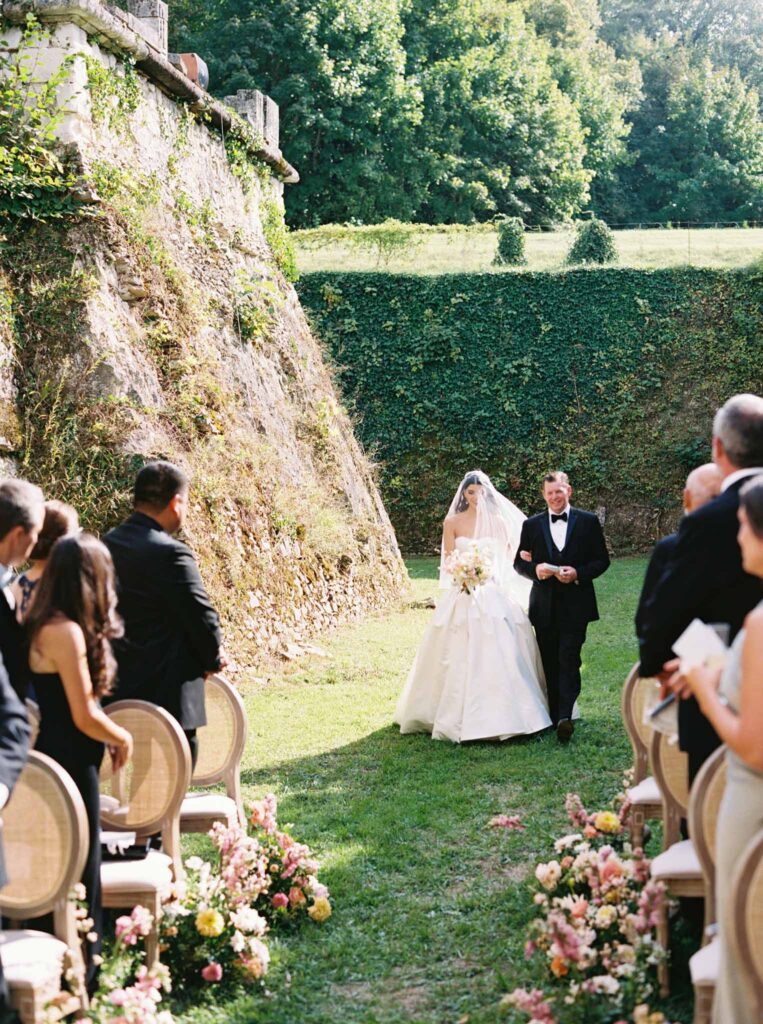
[429, 903]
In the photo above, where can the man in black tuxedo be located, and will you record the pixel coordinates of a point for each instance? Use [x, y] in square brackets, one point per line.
[172, 633]
[22, 512]
[562, 550]
[14, 746]
[704, 578]
[702, 485]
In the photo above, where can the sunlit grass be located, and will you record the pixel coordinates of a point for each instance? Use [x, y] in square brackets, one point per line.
[471, 250]
[429, 903]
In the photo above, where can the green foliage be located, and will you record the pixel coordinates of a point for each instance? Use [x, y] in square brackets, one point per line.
[257, 303]
[278, 238]
[594, 243]
[612, 375]
[35, 182]
[114, 93]
[511, 243]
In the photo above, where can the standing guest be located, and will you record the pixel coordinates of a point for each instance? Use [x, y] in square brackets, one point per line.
[736, 713]
[562, 550]
[705, 578]
[71, 625]
[60, 521]
[702, 485]
[22, 511]
[172, 633]
[14, 744]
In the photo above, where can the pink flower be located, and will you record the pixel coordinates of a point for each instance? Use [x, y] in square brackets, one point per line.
[280, 900]
[125, 930]
[212, 972]
[511, 821]
[296, 896]
[264, 813]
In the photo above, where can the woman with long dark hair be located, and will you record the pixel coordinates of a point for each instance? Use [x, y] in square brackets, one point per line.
[60, 521]
[71, 624]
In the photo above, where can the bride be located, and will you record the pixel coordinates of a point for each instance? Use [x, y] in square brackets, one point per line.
[478, 673]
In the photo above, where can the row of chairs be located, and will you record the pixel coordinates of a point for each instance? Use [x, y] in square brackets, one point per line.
[687, 866]
[46, 837]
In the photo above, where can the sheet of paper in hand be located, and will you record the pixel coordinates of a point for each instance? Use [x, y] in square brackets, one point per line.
[699, 644]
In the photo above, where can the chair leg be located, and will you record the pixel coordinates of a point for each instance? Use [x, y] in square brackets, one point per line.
[663, 937]
[233, 789]
[636, 825]
[152, 939]
[703, 1004]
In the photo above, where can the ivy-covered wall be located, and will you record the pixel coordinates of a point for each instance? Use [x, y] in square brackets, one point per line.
[612, 375]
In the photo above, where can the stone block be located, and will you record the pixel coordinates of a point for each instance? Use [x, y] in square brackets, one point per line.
[272, 122]
[154, 19]
[250, 104]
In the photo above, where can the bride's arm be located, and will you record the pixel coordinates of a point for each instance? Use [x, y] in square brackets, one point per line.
[448, 537]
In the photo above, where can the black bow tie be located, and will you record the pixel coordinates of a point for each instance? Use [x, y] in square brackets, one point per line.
[555, 519]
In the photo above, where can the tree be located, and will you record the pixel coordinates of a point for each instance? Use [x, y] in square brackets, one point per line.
[337, 71]
[498, 135]
[697, 140]
[603, 86]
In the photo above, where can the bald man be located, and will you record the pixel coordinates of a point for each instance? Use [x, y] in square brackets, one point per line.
[702, 485]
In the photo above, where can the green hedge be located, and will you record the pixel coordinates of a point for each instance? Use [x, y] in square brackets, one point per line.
[611, 374]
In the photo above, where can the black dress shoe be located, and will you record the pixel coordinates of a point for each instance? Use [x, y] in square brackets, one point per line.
[564, 730]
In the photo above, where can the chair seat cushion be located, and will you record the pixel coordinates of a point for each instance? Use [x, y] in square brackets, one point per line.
[647, 792]
[154, 873]
[678, 861]
[207, 807]
[32, 958]
[705, 963]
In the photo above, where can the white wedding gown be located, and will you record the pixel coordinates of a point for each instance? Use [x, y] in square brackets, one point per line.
[478, 673]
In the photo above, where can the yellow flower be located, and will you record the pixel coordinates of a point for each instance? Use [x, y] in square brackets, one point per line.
[607, 821]
[320, 910]
[210, 923]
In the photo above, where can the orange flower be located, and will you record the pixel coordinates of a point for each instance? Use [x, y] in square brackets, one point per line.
[558, 967]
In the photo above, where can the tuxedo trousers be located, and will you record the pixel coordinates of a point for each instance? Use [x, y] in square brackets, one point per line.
[560, 651]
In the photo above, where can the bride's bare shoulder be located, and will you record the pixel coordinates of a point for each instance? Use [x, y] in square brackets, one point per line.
[455, 519]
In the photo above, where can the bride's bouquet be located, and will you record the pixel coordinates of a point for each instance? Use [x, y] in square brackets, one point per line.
[469, 569]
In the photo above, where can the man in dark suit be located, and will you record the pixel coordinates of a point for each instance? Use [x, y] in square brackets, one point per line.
[704, 579]
[562, 550]
[22, 511]
[14, 746]
[172, 633]
[702, 485]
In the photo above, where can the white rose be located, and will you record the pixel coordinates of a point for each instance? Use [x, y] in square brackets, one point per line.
[606, 984]
[237, 942]
[246, 919]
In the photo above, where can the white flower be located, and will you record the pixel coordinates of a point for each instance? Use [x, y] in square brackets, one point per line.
[246, 919]
[605, 984]
[238, 942]
[567, 841]
[605, 917]
[194, 863]
[549, 874]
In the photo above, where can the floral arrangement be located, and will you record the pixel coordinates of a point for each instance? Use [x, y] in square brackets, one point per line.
[294, 889]
[593, 945]
[215, 925]
[469, 569]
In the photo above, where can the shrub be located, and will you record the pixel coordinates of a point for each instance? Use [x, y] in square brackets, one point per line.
[594, 243]
[511, 243]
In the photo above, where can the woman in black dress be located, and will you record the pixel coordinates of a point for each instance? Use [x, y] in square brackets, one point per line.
[71, 624]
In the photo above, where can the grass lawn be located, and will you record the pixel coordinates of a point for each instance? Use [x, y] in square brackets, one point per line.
[429, 904]
[471, 250]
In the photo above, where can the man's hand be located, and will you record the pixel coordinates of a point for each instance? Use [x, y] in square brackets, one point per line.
[567, 574]
[544, 571]
[525, 556]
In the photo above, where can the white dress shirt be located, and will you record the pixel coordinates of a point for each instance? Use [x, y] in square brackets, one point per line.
[559, 529]
[739, 474]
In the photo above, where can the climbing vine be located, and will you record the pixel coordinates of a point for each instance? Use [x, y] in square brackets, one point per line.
[114, 93]
[612, 375]
[36, 184]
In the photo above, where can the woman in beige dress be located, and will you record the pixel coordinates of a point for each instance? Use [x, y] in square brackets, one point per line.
[733, 701]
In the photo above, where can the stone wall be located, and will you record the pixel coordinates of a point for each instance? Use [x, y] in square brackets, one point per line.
[160, 323]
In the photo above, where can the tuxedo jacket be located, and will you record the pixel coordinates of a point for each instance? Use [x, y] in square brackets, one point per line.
[172, 632]
[661, 555]
[568, 604]
[704, 579]
[13, 646]
[14, 741]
